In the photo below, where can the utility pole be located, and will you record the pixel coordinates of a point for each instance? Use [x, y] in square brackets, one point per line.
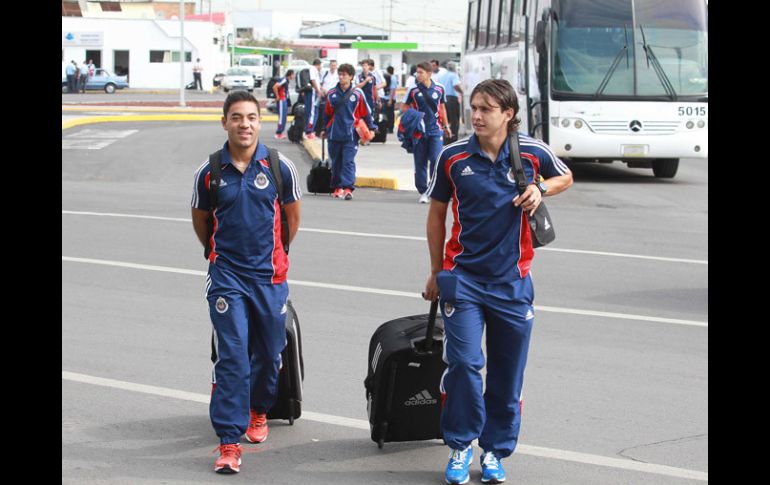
[181, 54]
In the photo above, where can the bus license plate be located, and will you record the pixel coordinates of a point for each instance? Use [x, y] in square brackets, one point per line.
[635, 150]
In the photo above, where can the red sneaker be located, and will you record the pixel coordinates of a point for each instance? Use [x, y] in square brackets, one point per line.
[348, 194]
[257, 430]
[229, 460]
[280, 136]
[337, 194]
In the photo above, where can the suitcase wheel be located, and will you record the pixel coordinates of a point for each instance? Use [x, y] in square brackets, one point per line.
[291, 412]
[291, 420]
[380, 443]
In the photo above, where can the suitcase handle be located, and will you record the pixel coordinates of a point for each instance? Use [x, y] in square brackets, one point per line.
[431, 325]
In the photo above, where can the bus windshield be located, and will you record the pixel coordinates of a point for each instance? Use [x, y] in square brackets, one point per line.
[607, 49]
[251, 61]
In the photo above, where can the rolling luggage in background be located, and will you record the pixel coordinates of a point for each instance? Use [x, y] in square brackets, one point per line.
[382, 128]
[297, 127]
[319, 180]
[288, 404]
[404, 373]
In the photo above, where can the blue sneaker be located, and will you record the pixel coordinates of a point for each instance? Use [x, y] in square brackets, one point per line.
[457, 468]
[491, 469]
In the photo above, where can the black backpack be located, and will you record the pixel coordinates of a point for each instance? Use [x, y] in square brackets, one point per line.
[386, 89]
[303, 81]
[215, 164]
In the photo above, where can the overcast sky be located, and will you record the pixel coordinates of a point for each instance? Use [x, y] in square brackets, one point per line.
[449, 13]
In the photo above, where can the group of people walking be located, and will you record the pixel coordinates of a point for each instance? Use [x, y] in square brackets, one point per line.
[77, 76]
[481, 275]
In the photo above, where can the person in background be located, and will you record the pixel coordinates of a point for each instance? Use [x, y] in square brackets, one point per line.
[72, 71]
[83, 79]
[428, 96]
[311, 100]
[389, 97]
[345, 106]
[197, 73]
[451, 82]
[280, 89]
[329, 79]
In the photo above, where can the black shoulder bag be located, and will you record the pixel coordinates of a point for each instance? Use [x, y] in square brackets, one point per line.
[540, 223]
[215, 165]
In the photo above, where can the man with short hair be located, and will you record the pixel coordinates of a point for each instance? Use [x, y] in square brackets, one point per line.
[197, 73]
[389, 97]
[436, 70]
[83, 79]
[427, 96]
[345, 106]
[329, 79]
[451, 82]
[246, 286]
[367, 83]
[71, 71]
[482, 277]
[311, 99]
[280, 90]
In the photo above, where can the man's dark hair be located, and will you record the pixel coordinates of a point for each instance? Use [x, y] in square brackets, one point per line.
[371, 62]
[289, 72]
[347, 69]
[434, 61]
[237, 96]
[316, 62]
[413, 70]
[332, 60]
[425, 66]
[390, 70]
[501, 91]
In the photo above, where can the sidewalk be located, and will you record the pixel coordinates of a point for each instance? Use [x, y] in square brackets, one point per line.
[382, 165]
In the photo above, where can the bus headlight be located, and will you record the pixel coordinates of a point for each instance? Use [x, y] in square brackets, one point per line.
[578, 124]
[690, 125]
[701, 123]
[565, 123]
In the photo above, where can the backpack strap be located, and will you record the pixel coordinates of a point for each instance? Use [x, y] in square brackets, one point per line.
[215, 177]
[275, 169]
[515, 159]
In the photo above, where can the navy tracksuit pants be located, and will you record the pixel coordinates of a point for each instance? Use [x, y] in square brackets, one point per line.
[311, 111]
[249, 321]
[426, 153]
[343, 155]
[466, 305]
[282, 108]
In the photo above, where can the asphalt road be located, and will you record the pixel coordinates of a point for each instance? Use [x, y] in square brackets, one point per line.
[617, 375]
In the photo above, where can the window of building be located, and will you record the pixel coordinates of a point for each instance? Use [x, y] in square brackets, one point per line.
[169, 56]
[70, 8]
[110, 6]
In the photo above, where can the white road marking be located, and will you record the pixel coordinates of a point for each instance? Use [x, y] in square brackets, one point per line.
[378, 291]
[363, 425]
[93, 139]
[408, 238]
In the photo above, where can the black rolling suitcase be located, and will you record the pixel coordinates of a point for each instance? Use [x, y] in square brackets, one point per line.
[288, 404]
[319, 180]
[402, 384]
[297, 127]
[382, 129]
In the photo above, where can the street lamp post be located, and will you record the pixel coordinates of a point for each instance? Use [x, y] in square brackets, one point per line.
[181, 54]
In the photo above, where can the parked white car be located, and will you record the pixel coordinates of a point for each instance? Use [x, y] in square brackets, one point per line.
[237, 78]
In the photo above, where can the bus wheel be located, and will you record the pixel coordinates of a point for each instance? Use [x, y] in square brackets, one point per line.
[665, 167]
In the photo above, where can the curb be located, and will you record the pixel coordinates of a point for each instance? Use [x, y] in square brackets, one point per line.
[313, 148]
[172, 117]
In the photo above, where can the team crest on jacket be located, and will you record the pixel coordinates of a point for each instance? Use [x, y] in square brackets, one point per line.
[511, 177]
[449, 309]
[352, 97]
[435, 96]
[221, 305]
[261, 181]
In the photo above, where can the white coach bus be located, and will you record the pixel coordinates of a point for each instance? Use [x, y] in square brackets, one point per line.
[599, 80]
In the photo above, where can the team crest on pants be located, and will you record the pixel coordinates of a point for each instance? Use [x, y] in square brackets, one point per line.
[449, 309]
[221, 305]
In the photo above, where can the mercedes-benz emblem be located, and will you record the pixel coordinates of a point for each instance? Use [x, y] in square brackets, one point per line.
[635, 126]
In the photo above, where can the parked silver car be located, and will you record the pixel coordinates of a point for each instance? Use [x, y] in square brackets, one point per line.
[237, 78]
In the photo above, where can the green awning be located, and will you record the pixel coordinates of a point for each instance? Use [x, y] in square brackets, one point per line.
[391, 46]
[251, 49]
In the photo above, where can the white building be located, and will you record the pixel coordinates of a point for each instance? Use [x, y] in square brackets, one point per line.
[147, 49]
